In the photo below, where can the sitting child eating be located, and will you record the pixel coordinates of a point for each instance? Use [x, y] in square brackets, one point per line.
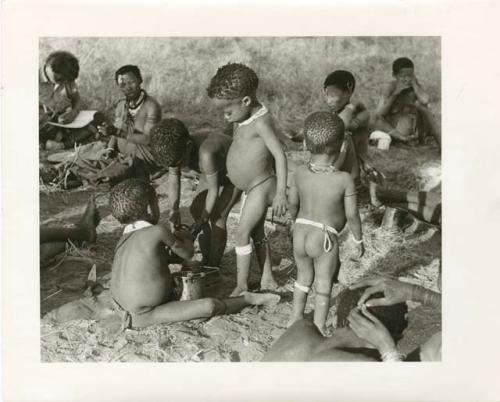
[174, 148]
[322, 199]
[141, 283]
[256, 164]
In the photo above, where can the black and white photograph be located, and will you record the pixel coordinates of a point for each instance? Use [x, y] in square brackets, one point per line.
[255, 201]
[240, 199]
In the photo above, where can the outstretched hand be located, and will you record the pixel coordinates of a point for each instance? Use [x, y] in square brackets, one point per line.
[394, 291]
[368, 327]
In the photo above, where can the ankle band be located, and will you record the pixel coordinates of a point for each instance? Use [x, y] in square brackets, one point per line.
[243, 250]
[302, 288]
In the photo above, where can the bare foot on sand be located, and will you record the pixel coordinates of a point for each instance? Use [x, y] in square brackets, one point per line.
[90, 219]
[238, 291]
[261, 299]
[268, 283]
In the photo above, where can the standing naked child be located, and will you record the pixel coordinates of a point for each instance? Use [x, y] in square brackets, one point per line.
[59, 100]
[174, 148]
[256, 164]
[322, 199]
[402, 109]
[141, 283]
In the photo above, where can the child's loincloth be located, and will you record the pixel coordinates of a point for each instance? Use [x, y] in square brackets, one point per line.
[328, 231]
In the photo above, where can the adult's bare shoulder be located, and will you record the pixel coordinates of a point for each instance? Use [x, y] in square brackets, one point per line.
[152, 104]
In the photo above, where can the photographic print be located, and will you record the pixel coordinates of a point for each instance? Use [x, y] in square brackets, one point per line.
[240, 199]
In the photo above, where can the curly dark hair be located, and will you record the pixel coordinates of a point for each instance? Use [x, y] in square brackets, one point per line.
[393, 317]
[324, 133]
[168, 140]
[65, 64]
[129, 200]
[129, 69]
[341, 79]
[232, 81]
[399, 64]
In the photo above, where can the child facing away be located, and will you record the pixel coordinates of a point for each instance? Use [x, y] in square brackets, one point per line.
[321, 200]
[59, 100]
[256, 164]
[142, 286]
[403, 106]
[173, 148]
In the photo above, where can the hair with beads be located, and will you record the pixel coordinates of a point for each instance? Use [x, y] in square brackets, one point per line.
[232, 81]
[324, 133]
[129, 200]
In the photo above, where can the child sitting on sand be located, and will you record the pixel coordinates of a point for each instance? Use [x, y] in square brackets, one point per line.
[141, 283]
[402, 110]
[338, 89]
[59, 100]
[322, 199]
[174, 148]
[256, 164]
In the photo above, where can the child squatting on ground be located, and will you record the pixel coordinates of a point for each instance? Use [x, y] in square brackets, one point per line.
[59, 100]
[256, 164]
[141, 283]
[205, 153]
[402, 109]
[322, 199]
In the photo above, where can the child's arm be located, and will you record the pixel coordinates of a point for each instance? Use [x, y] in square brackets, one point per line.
[293, 198]
[360, 119]
[388, 97]
[174, 195]
[422, 96]
[268, 135]
[70, 114]
[352, 214]
[180, 244]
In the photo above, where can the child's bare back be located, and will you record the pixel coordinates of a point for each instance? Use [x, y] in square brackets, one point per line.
[141, 278]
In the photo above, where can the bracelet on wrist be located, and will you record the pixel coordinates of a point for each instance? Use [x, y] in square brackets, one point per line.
[393, 356]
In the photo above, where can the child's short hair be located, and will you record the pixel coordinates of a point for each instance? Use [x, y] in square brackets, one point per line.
[168, 140]
[129, 200]
[65, 64]
[393, 317]
[324, 133]
[341, 79]
[399, 64]
[129, 69]
[232, 81]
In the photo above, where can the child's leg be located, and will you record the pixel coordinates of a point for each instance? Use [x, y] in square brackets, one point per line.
[196, 209]
[326, 269]
[263, 253]
[85, 230]
[218, 221]
[305, 277]
[254, 211]
[176, 311]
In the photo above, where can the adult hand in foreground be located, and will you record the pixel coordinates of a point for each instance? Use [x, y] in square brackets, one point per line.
[394, 291]
[368, 327]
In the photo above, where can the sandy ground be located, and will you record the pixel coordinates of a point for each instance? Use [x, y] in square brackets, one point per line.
[72, 331]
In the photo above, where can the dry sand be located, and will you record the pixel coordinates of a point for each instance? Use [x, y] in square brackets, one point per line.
[76, 333]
